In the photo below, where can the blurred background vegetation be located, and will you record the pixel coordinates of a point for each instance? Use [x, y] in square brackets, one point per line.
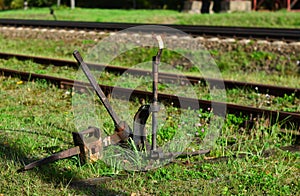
[124, 4]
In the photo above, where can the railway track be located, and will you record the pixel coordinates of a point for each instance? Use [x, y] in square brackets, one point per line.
[165, 77]
[284, 118]
[286, 34]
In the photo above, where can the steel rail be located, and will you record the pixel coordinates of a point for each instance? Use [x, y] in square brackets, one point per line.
[288, 34]
[165, 77]
[276, 117]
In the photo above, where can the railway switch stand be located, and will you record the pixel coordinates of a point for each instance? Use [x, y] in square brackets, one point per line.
[89, 143]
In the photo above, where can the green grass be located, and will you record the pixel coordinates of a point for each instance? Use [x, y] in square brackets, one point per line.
[242, 64]
[247, 97]
[42, 47]
[253, 19]
[36, 121]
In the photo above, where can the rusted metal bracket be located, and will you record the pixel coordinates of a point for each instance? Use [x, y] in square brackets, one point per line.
[88, 146]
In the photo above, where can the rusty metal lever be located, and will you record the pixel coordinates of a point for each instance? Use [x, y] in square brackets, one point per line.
[120, 125]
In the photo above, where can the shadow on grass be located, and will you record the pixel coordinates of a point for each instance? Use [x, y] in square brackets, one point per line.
[51, 173]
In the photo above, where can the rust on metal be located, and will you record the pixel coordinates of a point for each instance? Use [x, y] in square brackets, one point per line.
[166, 77]
[90, 144]
[61, 155]
[285, 117]
[120, 126]
[155, 106]
[139, 123]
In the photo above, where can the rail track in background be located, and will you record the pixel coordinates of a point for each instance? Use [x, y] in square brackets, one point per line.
[286, 34]
[279, 91]
[275, 117]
